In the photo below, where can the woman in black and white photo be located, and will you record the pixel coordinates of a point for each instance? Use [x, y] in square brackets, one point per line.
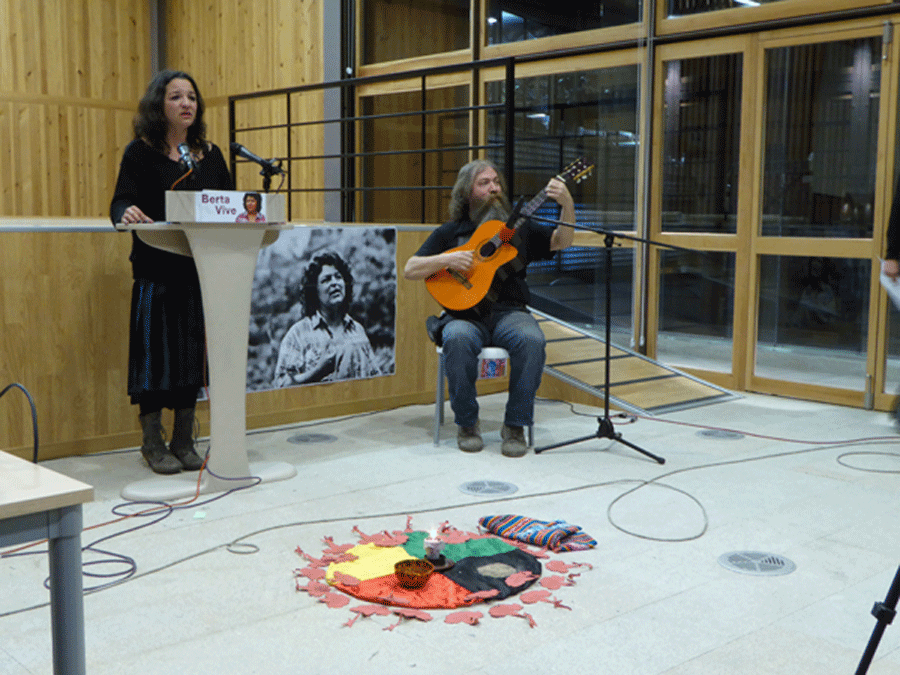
[327, 344]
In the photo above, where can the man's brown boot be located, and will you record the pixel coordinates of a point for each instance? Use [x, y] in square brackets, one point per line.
[514, 444]
[469, 439]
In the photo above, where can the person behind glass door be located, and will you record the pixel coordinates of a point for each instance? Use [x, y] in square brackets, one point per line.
[166, 357]
[890, 266]
[891, 263]
[478, 196]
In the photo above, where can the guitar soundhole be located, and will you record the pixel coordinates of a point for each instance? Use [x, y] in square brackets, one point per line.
[487, 250]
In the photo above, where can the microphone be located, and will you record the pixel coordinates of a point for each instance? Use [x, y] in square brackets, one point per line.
[186, 157]
[269, 165]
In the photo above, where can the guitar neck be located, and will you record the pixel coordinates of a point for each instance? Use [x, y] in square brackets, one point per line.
[577, 170]
[531, 207]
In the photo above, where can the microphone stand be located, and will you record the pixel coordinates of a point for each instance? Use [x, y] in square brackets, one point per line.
[605, 428]
[268, 167]
[267, 173]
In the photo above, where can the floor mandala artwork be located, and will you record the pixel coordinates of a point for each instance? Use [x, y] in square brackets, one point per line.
[472, 569]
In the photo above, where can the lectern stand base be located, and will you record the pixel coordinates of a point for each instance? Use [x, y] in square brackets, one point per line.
[181, 486]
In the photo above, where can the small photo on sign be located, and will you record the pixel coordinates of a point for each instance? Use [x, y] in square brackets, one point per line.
[491, 368]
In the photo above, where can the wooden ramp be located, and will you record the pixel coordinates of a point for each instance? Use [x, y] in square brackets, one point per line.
[637, 384]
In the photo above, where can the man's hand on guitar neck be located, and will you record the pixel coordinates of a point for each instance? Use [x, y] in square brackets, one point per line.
[558, 192]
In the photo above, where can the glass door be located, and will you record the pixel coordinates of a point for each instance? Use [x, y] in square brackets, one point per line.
[700, 208]
[819, 199]
[772, 177]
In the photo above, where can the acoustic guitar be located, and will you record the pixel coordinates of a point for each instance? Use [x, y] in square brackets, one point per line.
[495, 256]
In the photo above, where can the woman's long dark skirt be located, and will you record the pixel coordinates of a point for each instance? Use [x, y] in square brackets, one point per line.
[167, 350]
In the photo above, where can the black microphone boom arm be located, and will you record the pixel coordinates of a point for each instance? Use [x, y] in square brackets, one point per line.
[270, 167]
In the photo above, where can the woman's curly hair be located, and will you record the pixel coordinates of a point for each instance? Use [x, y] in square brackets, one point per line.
[311, 281]
[150, 121]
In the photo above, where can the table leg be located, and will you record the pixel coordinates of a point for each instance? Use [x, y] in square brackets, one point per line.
[67, 594]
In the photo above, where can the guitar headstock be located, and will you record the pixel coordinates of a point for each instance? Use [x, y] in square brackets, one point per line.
[576, 171]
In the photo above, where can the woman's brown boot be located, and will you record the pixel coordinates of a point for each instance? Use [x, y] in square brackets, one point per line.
[154, 448]
[182, 445]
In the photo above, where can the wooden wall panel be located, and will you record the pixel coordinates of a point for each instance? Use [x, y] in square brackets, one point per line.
[71, 73]
[250, 46]
[74, 48]
[59, 158]
[63, 336]
[246, 45]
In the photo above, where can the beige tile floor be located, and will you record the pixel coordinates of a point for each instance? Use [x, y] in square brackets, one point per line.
[657, 600]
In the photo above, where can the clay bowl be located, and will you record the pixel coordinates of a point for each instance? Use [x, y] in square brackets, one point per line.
[413, 573]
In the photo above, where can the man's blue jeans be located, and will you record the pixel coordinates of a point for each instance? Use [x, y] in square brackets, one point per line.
[519, 334]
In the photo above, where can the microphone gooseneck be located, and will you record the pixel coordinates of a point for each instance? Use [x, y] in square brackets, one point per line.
[186, 158]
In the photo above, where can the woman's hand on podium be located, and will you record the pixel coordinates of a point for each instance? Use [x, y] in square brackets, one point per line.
[134, 215]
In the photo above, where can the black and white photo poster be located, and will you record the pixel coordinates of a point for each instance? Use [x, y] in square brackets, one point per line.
[323, 307]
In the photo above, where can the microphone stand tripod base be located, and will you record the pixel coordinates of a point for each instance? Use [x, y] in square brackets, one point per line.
[605, 429]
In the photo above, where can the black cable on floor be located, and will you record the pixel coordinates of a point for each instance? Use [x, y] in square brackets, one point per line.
[34, 424]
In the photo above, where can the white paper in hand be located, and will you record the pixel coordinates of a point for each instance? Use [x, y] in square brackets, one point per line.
[892, 286]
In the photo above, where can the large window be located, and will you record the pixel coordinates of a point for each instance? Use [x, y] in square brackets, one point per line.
[406, 148]
[892, 354]
[766, 170]
[813, 318]
[428, 27]
[558, 118]
[702, 100]
[688, 7]
[517, 20]
[590, 114]
[821, 139]
[696, 308]
[702, 143]
[818, 182]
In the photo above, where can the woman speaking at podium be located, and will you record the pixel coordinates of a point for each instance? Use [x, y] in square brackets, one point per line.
[166, 363]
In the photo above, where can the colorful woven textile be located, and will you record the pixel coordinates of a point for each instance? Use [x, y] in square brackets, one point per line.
[557, 535]
[481, 564]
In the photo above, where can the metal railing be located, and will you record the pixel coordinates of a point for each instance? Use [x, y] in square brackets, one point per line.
[346, 159]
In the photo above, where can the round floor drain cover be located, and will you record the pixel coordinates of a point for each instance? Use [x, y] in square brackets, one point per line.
[311, 438]
[722, 434]
[490, 488]
[755, 562]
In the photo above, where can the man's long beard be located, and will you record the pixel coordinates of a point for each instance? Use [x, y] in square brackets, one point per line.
[495, 208]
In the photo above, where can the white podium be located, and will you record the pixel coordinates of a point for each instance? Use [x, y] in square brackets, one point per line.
[225, 253]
